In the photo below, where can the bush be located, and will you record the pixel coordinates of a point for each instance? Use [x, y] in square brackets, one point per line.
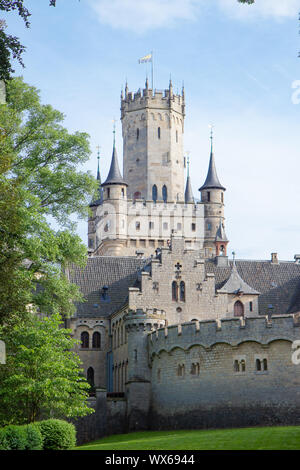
[15, 436]
[3, 441]
[57, 434]
[34, 437]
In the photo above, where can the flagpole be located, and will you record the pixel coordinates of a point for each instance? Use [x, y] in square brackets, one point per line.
[152, 69]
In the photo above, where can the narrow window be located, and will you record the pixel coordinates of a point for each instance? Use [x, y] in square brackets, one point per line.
[137, 134]
[182, 291]
[265, 364]
[174, 291]
[137, 226]
[208, 196]
[208, 226]
[154, 193]
[177, 136]
[178, 226]
[108, 193]
[222, 197]
[165, 226]
[123, 192]
[243, 365]
[251, 306]
[85, 340]
[236, 366]
[193, 227]
[151, 225]
[165, 193]
[258, 365]
[158, 132]
[158, 375]
[96, 340]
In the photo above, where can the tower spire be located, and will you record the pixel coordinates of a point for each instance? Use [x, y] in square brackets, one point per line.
[114, 174]
[212, 180]
[188, 195]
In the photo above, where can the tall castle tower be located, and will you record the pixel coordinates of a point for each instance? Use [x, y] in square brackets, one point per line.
[153, 127]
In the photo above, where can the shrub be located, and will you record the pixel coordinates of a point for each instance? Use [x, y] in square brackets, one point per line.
[16, 437]
[3, 441]
[34, 437]
[57, 434]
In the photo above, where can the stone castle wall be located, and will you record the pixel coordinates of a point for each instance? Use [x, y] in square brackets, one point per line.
[198, 379]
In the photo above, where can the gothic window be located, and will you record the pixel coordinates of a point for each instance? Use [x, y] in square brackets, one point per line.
[208, 196]
[158, 132]
[195, 369]
[238, 309]
[180, 370]
[208, 226]
[154, 193]
[151, 225]
[91, 243]
[182, 291]
[90, 376]
[258, 365]
[236, 366]
[137, 134]
[265, 364]
[193, 227]
[137, 226]
[122, 192]
[108, 193]
[239, 365]
[85, 340]
[174, 291]
[243, 365]
[165, 193]
[96, 340]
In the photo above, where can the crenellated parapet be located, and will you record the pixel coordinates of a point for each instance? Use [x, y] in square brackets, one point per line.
[232, 331]
[144, 320]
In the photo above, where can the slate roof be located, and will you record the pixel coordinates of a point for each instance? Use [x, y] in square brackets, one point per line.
[188, 195]
[236, 284]
[278, 284]
[114, 175]
[212, 180]
[117, 273]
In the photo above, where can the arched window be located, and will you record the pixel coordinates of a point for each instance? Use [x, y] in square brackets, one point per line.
[174, 291]
[108, 193]
[165, 193]
[258, 364]
[182, 291]
[90, 376]
[85, 339]
[265, 364]
[158, 132]
[137, 134]
[154, 193]
[96, 340]
[238, 309]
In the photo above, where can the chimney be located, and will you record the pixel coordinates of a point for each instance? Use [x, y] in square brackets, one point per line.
[297, 259]
[274, 258]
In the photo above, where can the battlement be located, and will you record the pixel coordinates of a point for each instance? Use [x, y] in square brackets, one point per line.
[155, 99]
[232, 331]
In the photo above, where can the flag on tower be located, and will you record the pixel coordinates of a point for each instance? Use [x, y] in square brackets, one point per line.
[146, 58]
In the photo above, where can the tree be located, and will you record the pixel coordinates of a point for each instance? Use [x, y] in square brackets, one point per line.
[39, 178]
[41, 376]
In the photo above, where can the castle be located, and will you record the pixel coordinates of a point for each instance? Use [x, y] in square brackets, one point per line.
[173, 333]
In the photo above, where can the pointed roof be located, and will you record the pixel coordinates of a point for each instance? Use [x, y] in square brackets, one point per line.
[98, 201]
[188, 195]
[212, 180]
[221, 235]
[114, 174]
[235, 284]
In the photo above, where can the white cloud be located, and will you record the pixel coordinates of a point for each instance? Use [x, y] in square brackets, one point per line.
[143, 15]
[279, 9]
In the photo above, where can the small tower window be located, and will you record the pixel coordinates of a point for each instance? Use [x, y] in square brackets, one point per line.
[90, 376]
[122, 192]
[258, 365]
[208, 226]
[85, 337]
[137, 134]
[151, 225]
[182, 291]
[174, 291]
[165, 193]
[108, 193]
[193, 227]
[251, 306]
[154, 193]
[158, 132]
[222, 197]
[137, 226]
[208, 196]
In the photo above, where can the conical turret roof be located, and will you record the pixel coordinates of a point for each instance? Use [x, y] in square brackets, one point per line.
[212, 180]
[221, 235]
[188, 195]
[114, 174]
[235, 284]
[99, 200]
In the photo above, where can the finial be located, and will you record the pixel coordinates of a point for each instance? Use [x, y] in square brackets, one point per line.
[233, 257]
[114, 131]
[98, 158]
[188, 163]
[126, 89]
[147, 83]
[211, 135]
[122, 94]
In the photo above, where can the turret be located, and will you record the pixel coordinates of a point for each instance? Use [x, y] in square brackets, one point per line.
[188, 194]
[114, 187]
[98, 200]
[212, 195]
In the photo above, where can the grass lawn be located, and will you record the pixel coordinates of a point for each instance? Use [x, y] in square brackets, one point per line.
[268, 438]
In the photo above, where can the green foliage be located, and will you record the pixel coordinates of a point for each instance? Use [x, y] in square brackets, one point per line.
[39, 178]
[57, 434]
[41, 375]
[34, 437]
[3, 441]
[16, 437]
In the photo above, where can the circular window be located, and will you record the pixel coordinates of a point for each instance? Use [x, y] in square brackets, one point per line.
[178, 309]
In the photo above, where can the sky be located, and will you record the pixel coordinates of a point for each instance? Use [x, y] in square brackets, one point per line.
[241, 72]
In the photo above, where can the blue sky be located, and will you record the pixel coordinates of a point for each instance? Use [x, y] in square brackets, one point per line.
[238, 64]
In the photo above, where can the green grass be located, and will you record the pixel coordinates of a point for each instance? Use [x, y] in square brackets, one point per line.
[267, 438]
